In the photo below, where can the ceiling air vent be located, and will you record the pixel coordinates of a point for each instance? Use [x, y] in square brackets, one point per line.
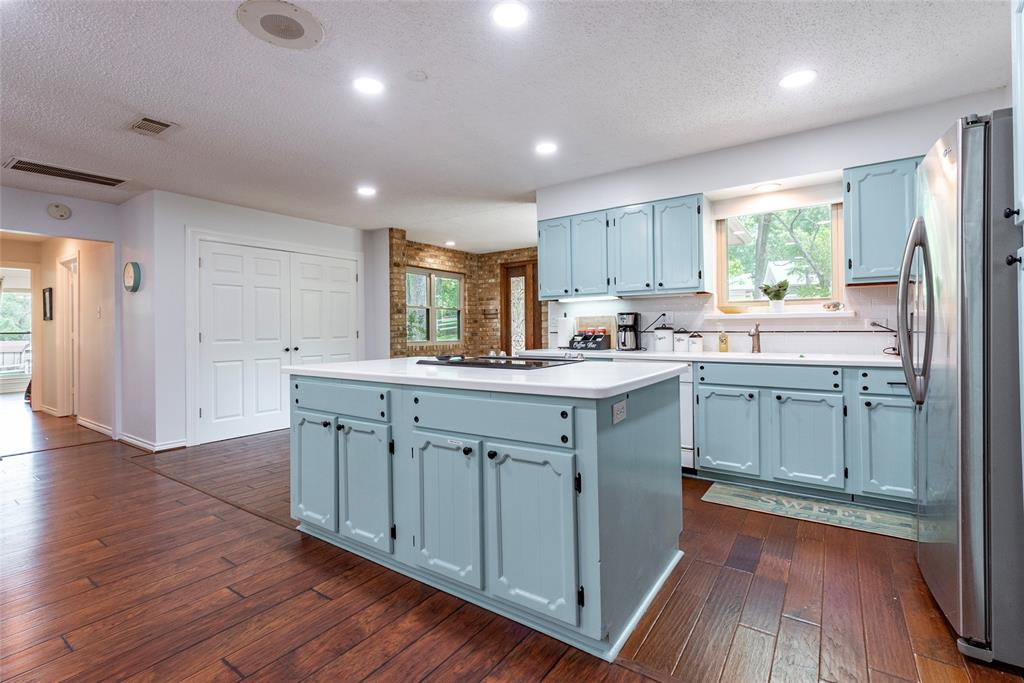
[16, 164]
[150, 127]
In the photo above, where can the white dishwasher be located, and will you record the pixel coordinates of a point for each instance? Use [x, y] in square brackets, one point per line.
[685, 410]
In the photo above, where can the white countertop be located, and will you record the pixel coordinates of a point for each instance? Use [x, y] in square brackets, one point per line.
[577, 380]
[844, 360]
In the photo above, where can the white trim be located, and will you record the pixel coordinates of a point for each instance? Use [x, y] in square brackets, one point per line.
[35, 324]
[95, 426]
[193, 236]
[145, 445]
[49, 410]
[798, 313]
[67, 354]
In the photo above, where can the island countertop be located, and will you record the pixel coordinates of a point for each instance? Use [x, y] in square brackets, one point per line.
[578, 380]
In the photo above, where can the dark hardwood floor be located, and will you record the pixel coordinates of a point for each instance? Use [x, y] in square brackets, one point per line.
[109, 570]
[22, 431]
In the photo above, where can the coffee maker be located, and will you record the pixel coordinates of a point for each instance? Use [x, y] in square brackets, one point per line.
[629, 331]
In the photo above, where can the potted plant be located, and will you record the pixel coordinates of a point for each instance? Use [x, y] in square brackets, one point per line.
[776, 294]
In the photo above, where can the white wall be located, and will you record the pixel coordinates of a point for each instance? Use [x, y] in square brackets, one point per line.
[137, 372]
[880, 138]
[376, 255]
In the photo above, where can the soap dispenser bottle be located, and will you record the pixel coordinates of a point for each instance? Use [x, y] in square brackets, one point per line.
[723, 342]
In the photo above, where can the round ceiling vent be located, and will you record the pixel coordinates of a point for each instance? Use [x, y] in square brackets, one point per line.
[280, 23]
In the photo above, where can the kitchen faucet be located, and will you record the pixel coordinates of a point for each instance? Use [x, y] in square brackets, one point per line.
[755, 338]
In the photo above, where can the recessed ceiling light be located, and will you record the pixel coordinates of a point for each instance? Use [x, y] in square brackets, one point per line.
[449, 243]
[767, 187]
[509, 14]
[368, 86]
[546, 148]
[366, 191]
[798, 79]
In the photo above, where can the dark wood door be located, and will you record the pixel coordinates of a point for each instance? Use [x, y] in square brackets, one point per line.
[520, 307]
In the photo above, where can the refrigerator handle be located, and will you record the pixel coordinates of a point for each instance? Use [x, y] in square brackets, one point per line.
[916, 383]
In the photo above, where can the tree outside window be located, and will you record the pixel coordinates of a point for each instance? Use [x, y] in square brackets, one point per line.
[433, 302]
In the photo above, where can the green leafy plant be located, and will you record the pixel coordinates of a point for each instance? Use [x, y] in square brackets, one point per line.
[776, 292]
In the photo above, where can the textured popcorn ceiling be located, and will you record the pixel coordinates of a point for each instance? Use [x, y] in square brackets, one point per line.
[618, 84]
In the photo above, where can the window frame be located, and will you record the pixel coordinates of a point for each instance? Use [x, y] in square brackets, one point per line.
[432, 275]
[722, 264]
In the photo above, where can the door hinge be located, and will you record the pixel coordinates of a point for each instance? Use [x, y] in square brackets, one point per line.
[357, 334]
[581, 598]
[200, 413]
[200, 261]
[847, 187]
[849, 264]
[846, 473]
[844, 410]
[200, 337]
[579, 483]
[394, 531]
[700, 274]
[391, 447]
[357, 277]
[698, 209]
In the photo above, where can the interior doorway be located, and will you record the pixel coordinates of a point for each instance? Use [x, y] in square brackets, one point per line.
[15, 334]
[520, 307]
[68, 334]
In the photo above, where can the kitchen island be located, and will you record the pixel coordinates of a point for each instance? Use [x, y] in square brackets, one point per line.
[548, 495]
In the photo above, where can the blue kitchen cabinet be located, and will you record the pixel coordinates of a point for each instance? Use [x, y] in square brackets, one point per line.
[886, 445]
[554, 258]
[531, 529]
[449, 499]
[878, 209]
[632, 236]
[678, 245]
[314, 469]
[364, 482]
[728, 426]
[806, 442]
[588, 244]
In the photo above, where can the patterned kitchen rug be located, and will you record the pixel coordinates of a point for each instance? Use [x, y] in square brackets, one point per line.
[886, 522]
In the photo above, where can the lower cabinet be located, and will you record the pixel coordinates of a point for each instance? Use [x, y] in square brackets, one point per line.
[806, 438]
[364, 482]
[449, 501]
[314, 469]
[886, 437]
[729, 429]
[531, 529]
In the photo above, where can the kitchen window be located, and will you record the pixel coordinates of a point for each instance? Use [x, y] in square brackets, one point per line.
[802, 245]
[433, 301]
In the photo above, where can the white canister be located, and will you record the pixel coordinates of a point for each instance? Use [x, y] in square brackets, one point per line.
[695, 344]
[663, 338]
[680, 340]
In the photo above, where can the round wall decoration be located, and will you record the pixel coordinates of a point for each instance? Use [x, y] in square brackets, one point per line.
[132, 276]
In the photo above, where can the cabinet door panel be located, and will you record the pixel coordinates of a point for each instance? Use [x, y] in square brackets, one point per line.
[449, 506]
[531, 529]
[364, 482]
[887, 445]
[314, 469]
[729, 429]
[554, 260]
[589, 246]
[678, 255]
[878, 209]
[633, 237]
[805, 438]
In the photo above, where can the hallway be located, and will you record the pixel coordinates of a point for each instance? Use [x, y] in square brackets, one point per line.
[24, 431]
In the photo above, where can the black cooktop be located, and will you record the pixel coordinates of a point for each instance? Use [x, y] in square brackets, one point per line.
[496, 362]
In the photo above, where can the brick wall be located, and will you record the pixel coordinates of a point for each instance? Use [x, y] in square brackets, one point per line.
[481, 326]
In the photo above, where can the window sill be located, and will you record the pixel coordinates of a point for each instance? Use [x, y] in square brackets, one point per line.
[794, 314]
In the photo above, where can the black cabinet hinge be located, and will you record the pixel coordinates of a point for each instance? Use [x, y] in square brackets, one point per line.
[846, 473]
[608, 280]
[849, 264]
[579, 483]
[391, 447]
[607, 223]
[394, 531]
[844, 410]
[697, 399]
[698, 452]
[847, 187]
[581, 598]
[700, 274]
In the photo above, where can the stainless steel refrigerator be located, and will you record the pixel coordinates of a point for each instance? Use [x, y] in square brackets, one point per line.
[957, 321]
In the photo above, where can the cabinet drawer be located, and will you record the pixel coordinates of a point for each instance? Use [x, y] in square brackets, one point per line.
[890, 381]
[541, 423]
[821, 378]
[342, 398]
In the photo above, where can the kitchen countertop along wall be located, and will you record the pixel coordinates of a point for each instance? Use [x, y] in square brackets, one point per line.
[836, 359]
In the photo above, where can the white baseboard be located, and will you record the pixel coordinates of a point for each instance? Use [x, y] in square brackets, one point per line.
[170, 445]
[95, 426]
[150, 446]
[50, 411]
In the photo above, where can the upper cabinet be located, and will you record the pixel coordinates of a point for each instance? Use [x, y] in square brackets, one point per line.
[588, 244]
[678, 250]
[554, 260]
[878, 209]
[1017, 86]
[652, 248]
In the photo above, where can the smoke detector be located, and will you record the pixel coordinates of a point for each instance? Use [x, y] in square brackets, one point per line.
[280, 23]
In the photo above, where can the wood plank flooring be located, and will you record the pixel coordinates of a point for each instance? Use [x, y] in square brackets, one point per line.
[110, 570]
[24, 431]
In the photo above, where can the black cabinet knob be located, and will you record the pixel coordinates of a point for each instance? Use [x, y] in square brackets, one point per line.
[565, 439]
[492, 454]
[286, 349]
[341, 427]
[648, 284]
[1010, 211]
[1011, 259]
[326, 423]
[467, 451]
[778, 398]
[867, 403]
[576, 289]
[750, 396]
[295, 348]
[566, 291]
[565, 414]
[661, 284]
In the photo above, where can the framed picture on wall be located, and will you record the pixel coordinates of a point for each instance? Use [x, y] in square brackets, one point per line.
[48, 303]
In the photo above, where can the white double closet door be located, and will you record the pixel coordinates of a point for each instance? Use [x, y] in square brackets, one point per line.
[260, 310]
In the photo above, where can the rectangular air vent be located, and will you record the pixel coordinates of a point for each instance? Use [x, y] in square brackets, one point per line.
[16, 164]
[150, 127]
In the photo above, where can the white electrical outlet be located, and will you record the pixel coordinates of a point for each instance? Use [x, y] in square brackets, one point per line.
[618, 412]
[669, 318]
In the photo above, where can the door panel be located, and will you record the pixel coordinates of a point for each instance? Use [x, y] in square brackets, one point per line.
[244, 320]
[887, 445]
[554, 260]
[531, 529]
[729, 429]
[805, 438]
[877, 213]
[324, 309]
[677, 244]
[314, 469]
[633, 246]
[364, 482]
[589, 245]
[449, 495]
